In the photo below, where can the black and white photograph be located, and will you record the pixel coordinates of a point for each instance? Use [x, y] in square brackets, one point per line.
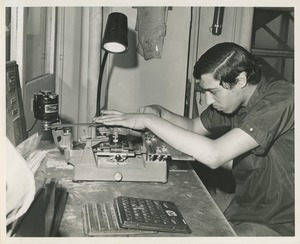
[143, 121]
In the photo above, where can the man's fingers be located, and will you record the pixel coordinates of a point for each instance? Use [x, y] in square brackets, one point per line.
[141, 110]
[108, 112]
[106, 118]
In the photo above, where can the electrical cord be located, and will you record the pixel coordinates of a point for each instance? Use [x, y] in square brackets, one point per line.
[32, 125]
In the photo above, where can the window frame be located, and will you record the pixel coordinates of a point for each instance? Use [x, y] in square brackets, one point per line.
[17, 41]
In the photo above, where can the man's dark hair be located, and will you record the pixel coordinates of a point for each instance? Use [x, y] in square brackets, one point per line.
[225, 61]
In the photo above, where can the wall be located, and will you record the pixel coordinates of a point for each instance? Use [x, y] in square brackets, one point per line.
[157, 81]
[237, 27]
[134, 82]
[69, 79]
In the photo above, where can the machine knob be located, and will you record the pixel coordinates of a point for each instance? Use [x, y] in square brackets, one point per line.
[118, 176]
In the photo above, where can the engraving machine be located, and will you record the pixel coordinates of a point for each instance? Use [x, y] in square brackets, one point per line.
[108, 153]
[115, 155]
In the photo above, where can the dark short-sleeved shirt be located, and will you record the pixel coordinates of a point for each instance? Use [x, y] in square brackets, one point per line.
[264, 176]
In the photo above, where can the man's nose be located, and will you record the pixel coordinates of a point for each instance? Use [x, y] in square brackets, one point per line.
[209, 98]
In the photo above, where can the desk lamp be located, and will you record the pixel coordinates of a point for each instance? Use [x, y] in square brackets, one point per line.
[115, 40]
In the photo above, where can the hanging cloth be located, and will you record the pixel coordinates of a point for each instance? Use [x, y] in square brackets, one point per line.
[151, 27]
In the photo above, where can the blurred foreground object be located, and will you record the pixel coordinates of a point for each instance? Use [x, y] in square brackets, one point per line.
[20, 186]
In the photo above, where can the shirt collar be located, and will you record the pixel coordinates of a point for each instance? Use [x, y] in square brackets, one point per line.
[260, 89]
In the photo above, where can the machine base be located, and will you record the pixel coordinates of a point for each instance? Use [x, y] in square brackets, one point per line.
[133, 169]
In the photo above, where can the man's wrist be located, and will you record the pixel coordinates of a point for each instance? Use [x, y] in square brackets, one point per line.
[162, 111]
[149, 120]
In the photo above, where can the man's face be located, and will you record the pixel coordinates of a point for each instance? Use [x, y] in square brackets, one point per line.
[226, 100]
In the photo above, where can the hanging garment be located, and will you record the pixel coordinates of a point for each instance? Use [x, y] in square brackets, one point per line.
[151, 27]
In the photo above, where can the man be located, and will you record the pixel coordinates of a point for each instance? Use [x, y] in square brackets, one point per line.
[255, 117]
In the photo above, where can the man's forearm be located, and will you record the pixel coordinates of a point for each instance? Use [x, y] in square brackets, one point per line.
[184, 140]
[176, 119]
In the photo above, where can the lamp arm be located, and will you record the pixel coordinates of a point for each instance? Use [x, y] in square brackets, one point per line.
[98, 106]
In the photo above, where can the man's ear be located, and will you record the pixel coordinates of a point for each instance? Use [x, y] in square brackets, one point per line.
[242, 79]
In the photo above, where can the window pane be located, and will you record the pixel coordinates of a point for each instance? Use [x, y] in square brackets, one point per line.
[35, 39]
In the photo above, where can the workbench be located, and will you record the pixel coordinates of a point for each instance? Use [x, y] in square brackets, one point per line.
[184, 188]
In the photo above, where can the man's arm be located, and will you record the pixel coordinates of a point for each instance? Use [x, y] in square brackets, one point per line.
[194, 125]
[212, 153]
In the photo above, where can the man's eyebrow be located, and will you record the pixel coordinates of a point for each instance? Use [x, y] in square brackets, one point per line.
[201, 89]
[198, 87]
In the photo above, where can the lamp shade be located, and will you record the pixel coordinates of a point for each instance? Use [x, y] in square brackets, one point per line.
[115, 39]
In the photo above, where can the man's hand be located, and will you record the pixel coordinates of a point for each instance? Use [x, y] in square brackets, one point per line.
[151, 109]
[116, 118]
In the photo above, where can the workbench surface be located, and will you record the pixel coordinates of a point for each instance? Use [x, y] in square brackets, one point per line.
[184, 188]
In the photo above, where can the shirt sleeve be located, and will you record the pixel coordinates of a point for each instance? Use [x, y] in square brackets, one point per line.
[269, 118]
